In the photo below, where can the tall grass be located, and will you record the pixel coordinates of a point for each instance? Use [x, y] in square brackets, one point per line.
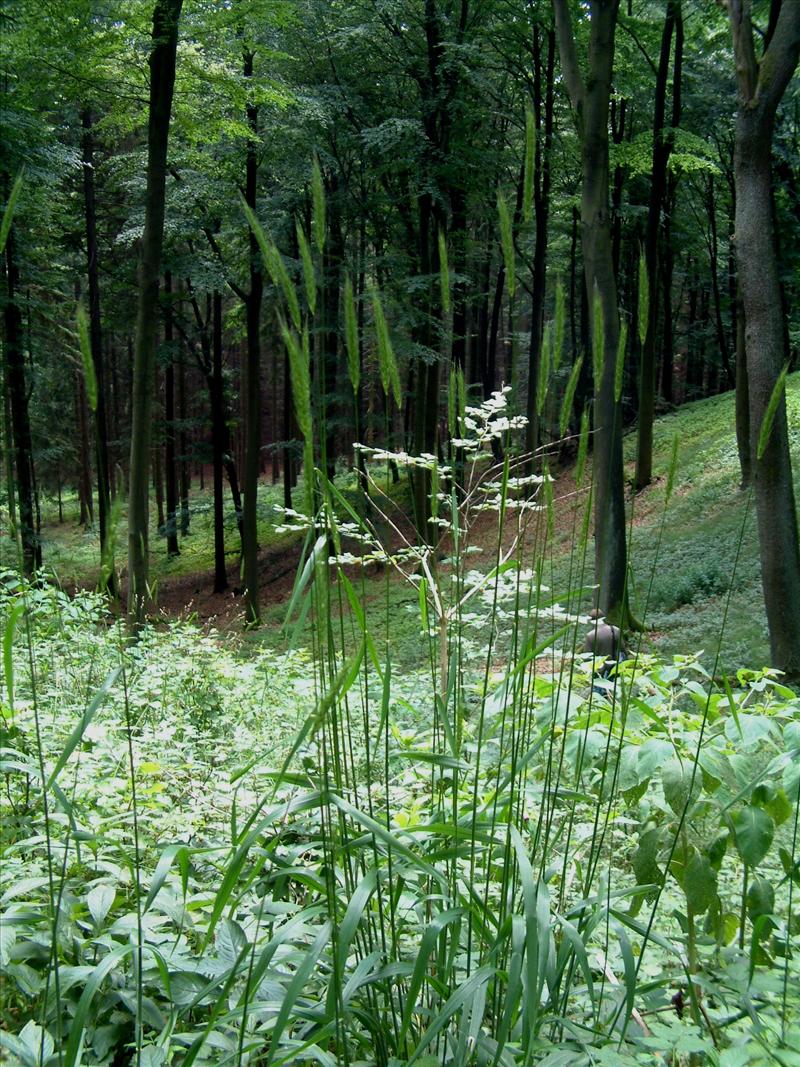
[494, 858]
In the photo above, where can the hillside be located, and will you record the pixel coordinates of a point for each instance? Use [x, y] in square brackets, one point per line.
[683, 588]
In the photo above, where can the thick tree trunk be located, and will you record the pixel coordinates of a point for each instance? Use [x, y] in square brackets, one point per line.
[162, 83]
[252, 452]
[761, 87]
[590, 101]
[20, 419]
[103, 463]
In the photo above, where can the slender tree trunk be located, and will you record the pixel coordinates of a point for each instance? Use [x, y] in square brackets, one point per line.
[171, 479]
[20, 419]
[84, 454]
[743, 443]
[184, 474]
[8, 453]
[158, 465]
[590, 101]
[761, 88]
[218, 440]
[544, 141]
[658, 184]
[252, 456]
[103, 464]
[288, 432]
[162, 82]
[331, 277]
[722, 339]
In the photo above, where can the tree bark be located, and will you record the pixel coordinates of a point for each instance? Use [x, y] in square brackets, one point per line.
[658, 183]
[541, 196]
[761, 88]
[170, 468]
[218, 447]
[20, 418]
[103, 464]
[86, 517]
[252, 452]
[162, 83]
[590, 102]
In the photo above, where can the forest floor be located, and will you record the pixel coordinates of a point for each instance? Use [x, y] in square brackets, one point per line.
[691, 565]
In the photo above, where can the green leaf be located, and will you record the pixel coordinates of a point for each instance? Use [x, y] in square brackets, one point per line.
[760, 898]
[645, 866]
[679, 790]
[86, 357]
[351, 335]
[390, 378]
[560, 321]
[673, 467]
[430, 936]
[444, 273]
[530, 161]
[583, 447]
[301, 381]
[99, 902]
[273, 261]
[318, 204]
[507, 242]
[544, 368]
[569, 396]
[644, 299]
[771, 412]
[619, 370]
[308, 267]
[598, 340]
[75, 737]
[8, 212]
[753, 831]
[14, 615]
[699, 883]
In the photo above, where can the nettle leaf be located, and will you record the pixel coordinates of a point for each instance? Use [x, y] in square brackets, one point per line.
[645, 866]
[699, 883]
[678, 785]
[100, 901]
[753, 831]
[760, 898]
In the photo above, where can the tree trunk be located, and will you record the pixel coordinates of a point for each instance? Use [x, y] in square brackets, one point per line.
[184, 475]
[162, 83]
[761, 87]
[252, 454]
[722, 340]
[86, 517]
[218, 441]
[20, 419]
[590, 101]
[108, 573]
[171, 473]
[544, 141]
[658, 184]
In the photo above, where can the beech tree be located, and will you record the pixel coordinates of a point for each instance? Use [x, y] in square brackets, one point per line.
[162, 84]
[762, 82]
[590, 96]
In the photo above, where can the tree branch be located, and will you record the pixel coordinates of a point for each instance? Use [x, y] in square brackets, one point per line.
[569, 55]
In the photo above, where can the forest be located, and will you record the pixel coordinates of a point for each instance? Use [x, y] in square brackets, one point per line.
[399, 555]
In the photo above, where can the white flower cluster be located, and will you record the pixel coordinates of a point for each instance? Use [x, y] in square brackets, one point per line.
[487, 422]
[425, 460]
